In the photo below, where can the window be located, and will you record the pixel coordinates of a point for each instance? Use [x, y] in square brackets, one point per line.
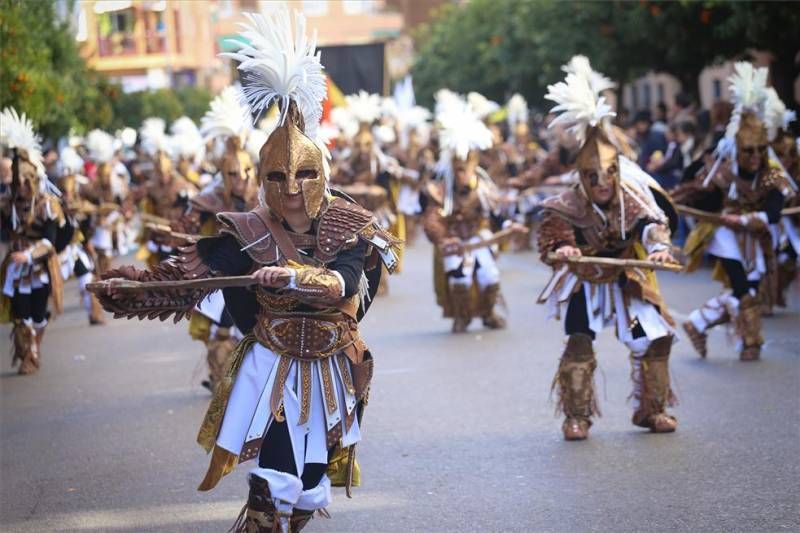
[115, 32]
[717, 89]
[155, 30]
[660, 92]
[647, 100]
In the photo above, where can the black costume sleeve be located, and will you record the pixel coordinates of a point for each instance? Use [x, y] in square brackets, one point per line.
[773, 206]
[350, 265]
[223, 254]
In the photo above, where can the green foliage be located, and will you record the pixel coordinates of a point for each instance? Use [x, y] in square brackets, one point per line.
[43, 75]
[498, 47]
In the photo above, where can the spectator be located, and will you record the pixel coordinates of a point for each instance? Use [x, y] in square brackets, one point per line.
[660, 124]
[649, 142]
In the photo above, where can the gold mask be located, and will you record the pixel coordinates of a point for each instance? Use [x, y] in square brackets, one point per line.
[25, 178]
[290, 163]
[364, 141]
[786, 149]
[751, 139]
[597, 162]
[237, 173]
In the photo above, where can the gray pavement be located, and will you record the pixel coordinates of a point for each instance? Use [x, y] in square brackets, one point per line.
[459, 434]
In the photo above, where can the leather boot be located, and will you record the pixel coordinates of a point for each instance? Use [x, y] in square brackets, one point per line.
[96, 316]
[219, 348]
[787, 272]
[654, 392]
[460, 301]
[575, 386]
[25, 348]
[488, 303]
[748, 326]
[258, 514]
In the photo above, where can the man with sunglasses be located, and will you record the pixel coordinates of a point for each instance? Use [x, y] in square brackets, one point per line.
[747, 193]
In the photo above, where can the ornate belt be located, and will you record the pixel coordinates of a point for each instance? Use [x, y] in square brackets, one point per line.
[305, 337]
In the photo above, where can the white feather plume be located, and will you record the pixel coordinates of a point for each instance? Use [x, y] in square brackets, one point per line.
[579, 106]
[186, 139]
[281, 64]
[460, 130]
[580, 66]
[445, 99]
[344, 121]
[16, 131]
[364, 107]
[100, 146]
[154, 136]
[70, 161]
[127, 137]
[517, 109]
[776, 116]
[227, 116]
[481, 106]
[748, 86]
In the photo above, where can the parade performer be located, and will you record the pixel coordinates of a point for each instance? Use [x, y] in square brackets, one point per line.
[785, 152]
[739, 198]
[107, 192]
[296, 385]
[75, 257]
[30, 271]
[611, 216]
[165, 197]
[235, 190]
[458, 219]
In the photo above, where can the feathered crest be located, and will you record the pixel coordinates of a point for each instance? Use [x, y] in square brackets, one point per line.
[445, 99]
[344, 121]
[227, 116]
[70, 161]
[480, 105]
[776, 116]
[154, 136]
[100, 146]
[281, 64]
[364, 107]
[580, 66]
[579, 103]
[16, 131]
[186, 139]
[517, 109]
[460, 130]
[748, 86]
[127, 137]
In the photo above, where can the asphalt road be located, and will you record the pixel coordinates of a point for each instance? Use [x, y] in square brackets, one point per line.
[459, 435]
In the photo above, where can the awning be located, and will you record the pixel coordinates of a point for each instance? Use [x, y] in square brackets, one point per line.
[225, 45]
[107, 6]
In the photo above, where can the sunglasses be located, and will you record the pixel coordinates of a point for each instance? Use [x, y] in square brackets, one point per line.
[753, 150]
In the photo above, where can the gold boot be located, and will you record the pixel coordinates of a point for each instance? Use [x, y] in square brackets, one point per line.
[461, 304]
[258, 514]
[488, 303]
[748, 326]
[25, 348]
[96, 316]
[575, 383]
[654, 392]
[218, 350]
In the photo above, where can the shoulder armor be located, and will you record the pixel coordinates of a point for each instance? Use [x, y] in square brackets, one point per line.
[435, 192]
[571, 206]
[49, 208]
[250, 230]
[209, 202]
[340, 226]
[774, 178]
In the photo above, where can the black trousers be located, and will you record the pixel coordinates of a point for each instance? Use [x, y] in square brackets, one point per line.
[738, 277]
[31, 306]
[577, 319]
[276, 454]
